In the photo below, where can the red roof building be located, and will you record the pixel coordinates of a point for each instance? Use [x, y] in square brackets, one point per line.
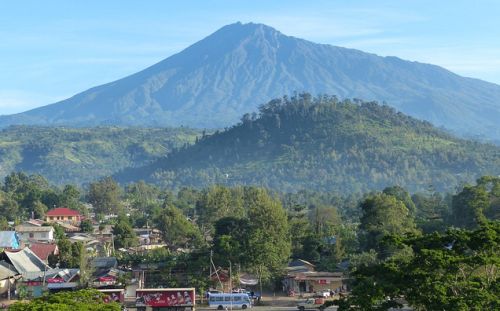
[63, 214]
[43, 250]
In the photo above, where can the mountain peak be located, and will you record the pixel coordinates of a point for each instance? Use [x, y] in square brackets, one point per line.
[213, 82]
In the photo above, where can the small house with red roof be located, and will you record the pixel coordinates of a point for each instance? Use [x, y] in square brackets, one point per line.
[63, 214]
[44, 250]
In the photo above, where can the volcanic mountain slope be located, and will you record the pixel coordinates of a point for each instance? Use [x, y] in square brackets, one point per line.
[216, 80]
[325, 144]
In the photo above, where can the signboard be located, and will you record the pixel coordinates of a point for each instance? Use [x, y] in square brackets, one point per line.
[165, 298]
[323, 282]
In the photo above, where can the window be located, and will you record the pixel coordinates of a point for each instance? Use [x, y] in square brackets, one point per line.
[44, 235]
[32, 235]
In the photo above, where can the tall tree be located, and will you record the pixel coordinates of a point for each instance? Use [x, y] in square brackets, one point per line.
[176, 229]
[473, 203]
[124, 234]
[383, 215]
[269, 235]
[105, 195]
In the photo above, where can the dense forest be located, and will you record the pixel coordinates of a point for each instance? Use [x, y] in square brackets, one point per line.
[325, 144]
[80, 155]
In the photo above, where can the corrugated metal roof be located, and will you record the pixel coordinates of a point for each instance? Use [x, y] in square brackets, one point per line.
[25, 260]
[23, 229]
[7, 270]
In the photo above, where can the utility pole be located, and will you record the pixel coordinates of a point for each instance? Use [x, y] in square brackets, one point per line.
[230, 284]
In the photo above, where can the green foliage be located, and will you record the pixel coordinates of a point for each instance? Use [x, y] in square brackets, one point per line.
[217, 202]
[80, 155]
[105, 195]
[177, 230]
[86, 226]
[323, 144]
[457, 270]
[82, 300]
[383, 215]
[268, 234]
[124, 234]
[474, 203]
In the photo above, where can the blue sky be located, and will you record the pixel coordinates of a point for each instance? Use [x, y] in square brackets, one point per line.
[51, 50]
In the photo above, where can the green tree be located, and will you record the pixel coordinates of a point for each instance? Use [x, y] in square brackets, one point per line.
[473, 203]
[457, 270]
[124, 234]
[104, 195]
[86, 226]
[82, 300]
[230, 241]
[142, 196]
[8, 206]
[4, 224]
[216, 202]
[176, 229]
[383, 215]
[70, 198]
[269, 236]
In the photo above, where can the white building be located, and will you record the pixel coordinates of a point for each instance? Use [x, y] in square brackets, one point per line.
[34, 233]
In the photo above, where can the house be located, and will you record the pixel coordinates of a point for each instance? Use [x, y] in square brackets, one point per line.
[44, 250]
[301, 278]
[63, 214]
[9, 240]
[35, 233]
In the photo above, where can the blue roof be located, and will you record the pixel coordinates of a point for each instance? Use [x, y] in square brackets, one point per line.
[9, 239]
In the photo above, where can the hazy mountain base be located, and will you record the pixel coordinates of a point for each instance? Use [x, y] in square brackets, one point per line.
[80, 155]
[214, 81]
[325, 144]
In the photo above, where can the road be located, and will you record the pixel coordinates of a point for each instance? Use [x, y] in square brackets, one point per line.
[268, 308]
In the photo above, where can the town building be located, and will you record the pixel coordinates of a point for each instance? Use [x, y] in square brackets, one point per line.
[29, 234]
[63, 214]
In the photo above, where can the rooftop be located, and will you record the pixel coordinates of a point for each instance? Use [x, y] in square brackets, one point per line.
[62, 211]
[43, 250]
[22, 229]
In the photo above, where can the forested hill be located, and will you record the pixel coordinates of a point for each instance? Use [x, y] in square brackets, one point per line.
[80, 155]
[325, 144]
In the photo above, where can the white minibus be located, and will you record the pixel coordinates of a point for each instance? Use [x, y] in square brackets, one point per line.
[229, 301]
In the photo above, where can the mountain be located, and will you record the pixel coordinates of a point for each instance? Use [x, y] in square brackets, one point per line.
[213, 82]
[77, 156]
[324, 144]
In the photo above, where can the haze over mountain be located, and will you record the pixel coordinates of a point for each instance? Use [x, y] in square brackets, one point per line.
[323, 144]
[214, 81]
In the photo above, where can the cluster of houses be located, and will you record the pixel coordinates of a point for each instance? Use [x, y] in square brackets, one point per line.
[26, 250]
[26, 268]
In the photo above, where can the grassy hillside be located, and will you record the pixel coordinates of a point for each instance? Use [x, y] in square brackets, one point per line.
[326, 144]
[79, 155]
